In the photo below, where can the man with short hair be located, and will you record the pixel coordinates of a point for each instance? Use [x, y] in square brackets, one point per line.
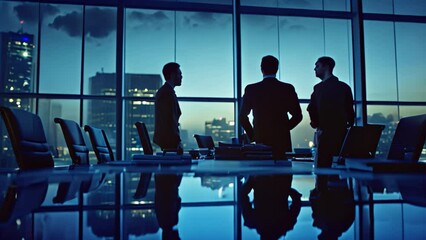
[271, 100]
[167, 110]
[330, 110]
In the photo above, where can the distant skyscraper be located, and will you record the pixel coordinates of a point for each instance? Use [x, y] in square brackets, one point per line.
[220, 129]
[16, 76]
[16, 67]
[102, 112]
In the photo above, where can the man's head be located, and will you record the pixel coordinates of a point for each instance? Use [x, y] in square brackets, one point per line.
[172, 73]
[324, 67]
[269, 65]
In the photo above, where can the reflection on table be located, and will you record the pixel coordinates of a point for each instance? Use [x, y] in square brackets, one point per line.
[212, 200]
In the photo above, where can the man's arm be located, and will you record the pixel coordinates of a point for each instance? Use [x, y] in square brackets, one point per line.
[350, 107]
[168, 131]
[312, 109]
[295, 110]
[243, 116]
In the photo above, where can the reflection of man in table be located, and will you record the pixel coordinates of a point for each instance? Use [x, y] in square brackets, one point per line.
[168, 204]
[333, 210]
[271, 215]
[271, 101]
[167, 110]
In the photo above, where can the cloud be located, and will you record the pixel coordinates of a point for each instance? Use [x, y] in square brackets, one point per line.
[99, 23]
[285, 23]
[70, 23]
[143, 19]
[29, 12]
[200, 18]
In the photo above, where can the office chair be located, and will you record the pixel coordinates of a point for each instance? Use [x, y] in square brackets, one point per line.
[361, 142]
[100, 144]
[144, 178]
[75, 141]
[409, 138]
[28, 138]
[144, 138]
[204, 141]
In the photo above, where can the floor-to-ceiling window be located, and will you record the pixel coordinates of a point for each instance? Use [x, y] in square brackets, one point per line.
[67, 56]
[395, 53]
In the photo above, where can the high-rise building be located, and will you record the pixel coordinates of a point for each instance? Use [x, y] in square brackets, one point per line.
[16, 76]
[220, 129]
[101, 113]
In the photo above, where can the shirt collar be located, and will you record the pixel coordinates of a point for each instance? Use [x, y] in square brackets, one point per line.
[270, 76]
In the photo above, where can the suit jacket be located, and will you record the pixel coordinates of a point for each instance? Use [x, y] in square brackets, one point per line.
[271, 100]
[167, 113]
[331, 105]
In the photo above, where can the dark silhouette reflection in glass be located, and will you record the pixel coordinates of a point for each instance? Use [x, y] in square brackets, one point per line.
[333, 207]
[168, 204]
[270, 214]
[18, 199]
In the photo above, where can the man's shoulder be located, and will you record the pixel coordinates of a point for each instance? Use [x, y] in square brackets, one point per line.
[164, 90]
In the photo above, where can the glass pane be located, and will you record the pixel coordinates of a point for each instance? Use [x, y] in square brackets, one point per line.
[142, 111]
[202, 118]
[380, 63]
[400, 7]
[338, 44]
[377, 6]
[150, 43]
[411, 59]
[298, 55]
[100, 49]
[410, 7]
[388, 116]
[53, 224]
[195, 222]
[60, 57]
[336, 5]
[18, 42]
[102, 114]
[228, 2]
[204, 50]
[259, 37]
[50, 109]
[207, 189]
[303, 134]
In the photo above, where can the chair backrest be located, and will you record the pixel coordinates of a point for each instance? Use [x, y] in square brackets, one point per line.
[204, 141]
[28, 138]
[409, 138]
[361, 141]
[75, 141]
[100, 144]
[144, 138]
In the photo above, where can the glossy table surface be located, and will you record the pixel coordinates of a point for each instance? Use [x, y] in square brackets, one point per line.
[211, 199]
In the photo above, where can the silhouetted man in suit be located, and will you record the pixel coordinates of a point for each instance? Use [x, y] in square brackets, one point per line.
[331, 111]
[167, 110]
[271, 100]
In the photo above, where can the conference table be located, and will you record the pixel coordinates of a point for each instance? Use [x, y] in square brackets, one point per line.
[211, 199]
